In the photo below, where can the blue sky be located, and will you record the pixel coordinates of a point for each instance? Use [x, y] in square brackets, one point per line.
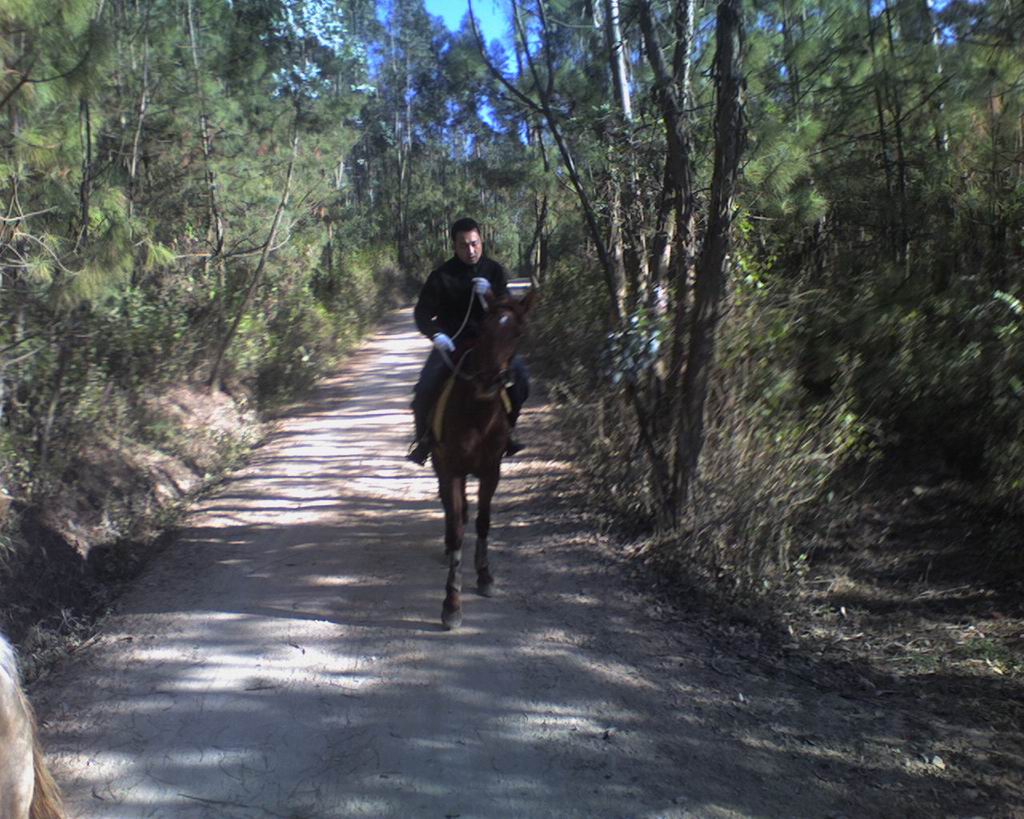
[489, 14]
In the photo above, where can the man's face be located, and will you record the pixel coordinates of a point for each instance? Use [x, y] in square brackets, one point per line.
[469, 247]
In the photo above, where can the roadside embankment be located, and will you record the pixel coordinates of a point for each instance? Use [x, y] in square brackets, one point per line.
[67, 550]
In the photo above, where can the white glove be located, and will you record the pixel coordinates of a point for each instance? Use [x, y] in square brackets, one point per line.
[443, 343]
[481, 285]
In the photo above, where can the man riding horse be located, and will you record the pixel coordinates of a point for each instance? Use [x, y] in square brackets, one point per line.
[449, 310]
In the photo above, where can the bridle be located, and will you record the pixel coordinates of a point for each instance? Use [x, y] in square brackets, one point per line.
[492, 386]
[487, 388]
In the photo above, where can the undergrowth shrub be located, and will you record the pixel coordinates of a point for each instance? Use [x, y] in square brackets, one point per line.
[142, 337]
[605, 450]
[568, 326]
[836, 367]
[300, 343]
[566, 340]
[306, 325]
[766, 483]
[939, 376]
[770, 455]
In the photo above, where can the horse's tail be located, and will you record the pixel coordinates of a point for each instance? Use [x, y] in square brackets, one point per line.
[46, 801]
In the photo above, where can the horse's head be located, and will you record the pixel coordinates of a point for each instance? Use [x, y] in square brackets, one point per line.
[500, 334]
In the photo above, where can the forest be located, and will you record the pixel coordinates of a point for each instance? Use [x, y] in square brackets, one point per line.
[778, 242]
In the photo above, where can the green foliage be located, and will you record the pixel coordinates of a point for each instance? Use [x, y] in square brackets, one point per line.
[142, 337]
[875, 300]
[298, 347]
[110, 269]
[306, 326]
[567, 329]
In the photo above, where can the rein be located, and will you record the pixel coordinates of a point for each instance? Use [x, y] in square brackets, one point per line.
[465, 320]
[457, 371]
[469, 309]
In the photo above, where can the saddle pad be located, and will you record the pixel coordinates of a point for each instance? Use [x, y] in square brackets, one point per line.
[437, 421]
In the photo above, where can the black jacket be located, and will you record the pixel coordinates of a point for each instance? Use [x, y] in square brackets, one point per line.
[446, 295]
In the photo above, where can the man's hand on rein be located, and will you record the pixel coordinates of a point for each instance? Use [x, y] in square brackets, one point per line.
[443, 343]
[481, 285]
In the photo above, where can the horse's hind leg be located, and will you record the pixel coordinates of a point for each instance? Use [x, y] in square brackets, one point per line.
[488, 485]
[452, 498]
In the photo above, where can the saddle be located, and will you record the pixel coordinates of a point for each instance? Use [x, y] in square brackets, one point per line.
[437, 416]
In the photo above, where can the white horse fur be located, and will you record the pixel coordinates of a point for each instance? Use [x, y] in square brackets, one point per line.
[27, 791]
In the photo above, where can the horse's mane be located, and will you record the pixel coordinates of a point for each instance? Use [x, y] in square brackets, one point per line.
[8, 661]
[46, 801]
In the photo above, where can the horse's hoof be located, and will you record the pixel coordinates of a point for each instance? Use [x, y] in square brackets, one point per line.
[451, 618]
[485, 586]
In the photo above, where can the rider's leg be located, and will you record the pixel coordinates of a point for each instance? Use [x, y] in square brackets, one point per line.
[425, 394]
[518, 392]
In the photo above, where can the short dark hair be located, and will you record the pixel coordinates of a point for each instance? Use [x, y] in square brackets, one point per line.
[464, 225]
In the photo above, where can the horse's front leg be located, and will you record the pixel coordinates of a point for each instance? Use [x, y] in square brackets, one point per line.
[488, 484]
[452, 489]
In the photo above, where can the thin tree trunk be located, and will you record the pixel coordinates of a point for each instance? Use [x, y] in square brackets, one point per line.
[792, 68]
[616, 243]
[133, 161]
[625, 243]
[533, 255]
[903, 248]
[85, 190]
[672, 99]
[661, 247]
[879, 106]
[218, 363]
[215, 228]
[46, 433]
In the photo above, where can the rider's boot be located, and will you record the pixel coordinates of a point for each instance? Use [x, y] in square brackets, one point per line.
[419, 451]
[513, 446]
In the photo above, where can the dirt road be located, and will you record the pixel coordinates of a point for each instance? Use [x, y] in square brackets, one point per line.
[285, 658]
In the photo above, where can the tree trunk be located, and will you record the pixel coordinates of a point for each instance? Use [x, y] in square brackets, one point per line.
[711, 265]
[903, 229]
[617, 56]
[671, 88]
[133, 160]
[64, 349]
[215, 225]
[85, 191]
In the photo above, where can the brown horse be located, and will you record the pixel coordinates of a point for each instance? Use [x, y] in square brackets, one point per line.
[474, 435]
[27, 791]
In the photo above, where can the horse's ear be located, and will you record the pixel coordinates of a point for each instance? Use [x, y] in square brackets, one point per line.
[528, 301]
